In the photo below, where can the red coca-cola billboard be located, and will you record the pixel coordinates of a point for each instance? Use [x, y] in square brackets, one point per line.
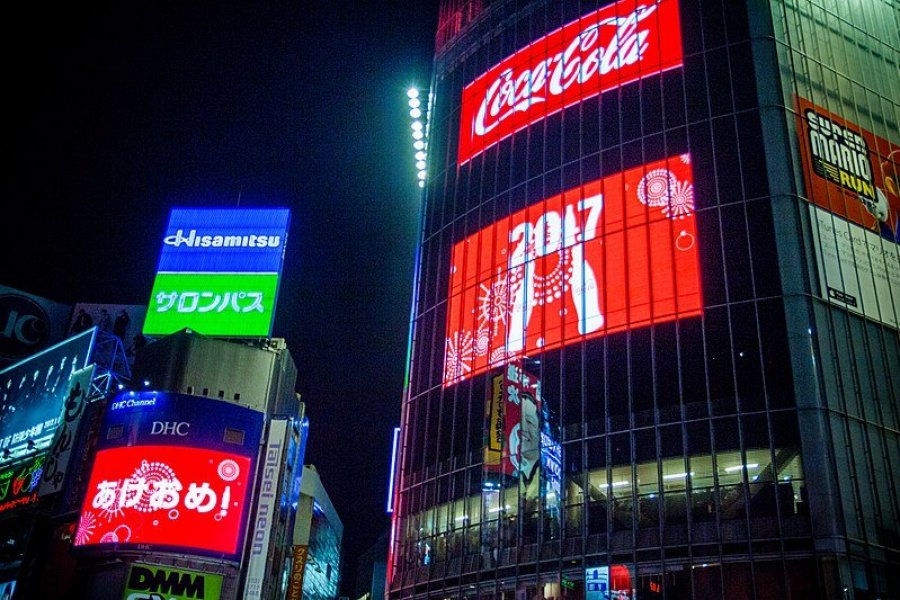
[618, 44]
[614, 254]
[166, 497]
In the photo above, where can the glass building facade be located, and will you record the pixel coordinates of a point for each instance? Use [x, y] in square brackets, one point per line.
[655, 348]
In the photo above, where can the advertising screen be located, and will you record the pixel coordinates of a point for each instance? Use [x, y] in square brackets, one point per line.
[849, 171]
[28, 324]
[614, 254]
[19, 482]
[600, 51]
[219, 271]
[166, 496]
[612, 582]
[852, 178]
[172, 472]
[151, 582]
[33, 393]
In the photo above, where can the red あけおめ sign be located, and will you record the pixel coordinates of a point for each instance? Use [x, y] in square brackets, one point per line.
[613, 254]
[166, 496]
[600, 51]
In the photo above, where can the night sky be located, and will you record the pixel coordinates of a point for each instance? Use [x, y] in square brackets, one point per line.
[123, 110]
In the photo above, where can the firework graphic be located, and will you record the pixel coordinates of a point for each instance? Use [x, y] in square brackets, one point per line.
[685, 159]
[228, 470]
[109, 537]
[655, 187]
[112, 512]
[493, 303]
[482, 342]
[681, 201]
[122, 533]
[152, 473]
[499, 355]
[460, 347]
[86, 526]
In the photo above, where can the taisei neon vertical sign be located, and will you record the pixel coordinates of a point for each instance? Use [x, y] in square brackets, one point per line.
[600, 51]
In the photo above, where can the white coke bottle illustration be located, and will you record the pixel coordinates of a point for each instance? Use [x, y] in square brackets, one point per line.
[553, 235]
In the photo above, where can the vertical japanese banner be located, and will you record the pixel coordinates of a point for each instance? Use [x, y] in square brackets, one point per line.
[57, 463]
[298, 565]
[266, 509]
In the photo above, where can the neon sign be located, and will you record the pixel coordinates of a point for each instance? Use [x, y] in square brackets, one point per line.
[166, 496]
[600, 51]
[218, 272]
[608, 256]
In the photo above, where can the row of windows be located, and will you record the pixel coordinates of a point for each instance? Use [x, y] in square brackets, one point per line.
[732, 360]
[705, 578]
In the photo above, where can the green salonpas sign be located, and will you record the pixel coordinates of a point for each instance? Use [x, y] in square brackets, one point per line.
[224, 304]
[152, 582]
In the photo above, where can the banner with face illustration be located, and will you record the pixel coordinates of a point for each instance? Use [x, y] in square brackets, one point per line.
[616, 253]
[513, 423]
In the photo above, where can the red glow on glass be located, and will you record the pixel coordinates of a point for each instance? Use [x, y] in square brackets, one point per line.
[611, 255]
[165, 496]
[600, 51]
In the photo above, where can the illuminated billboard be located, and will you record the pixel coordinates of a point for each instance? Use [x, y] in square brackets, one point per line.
[166, 496]
[33, 393]
[154, 581]
[614, 254]
[28, 324]
[853, 182]
[613, 582]
[172, 472]
[599, 51]
[218, 272]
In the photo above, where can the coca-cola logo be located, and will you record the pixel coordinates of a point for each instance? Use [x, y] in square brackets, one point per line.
[24, 326]
[598, 52]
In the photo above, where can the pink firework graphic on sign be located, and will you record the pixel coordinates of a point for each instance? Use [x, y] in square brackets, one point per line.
[460, 347]
[228, 470]
[152, 473]
[86, 526]
[681, 202]
[122, 533]
[111, 512]
[655, 187]
[493, 303]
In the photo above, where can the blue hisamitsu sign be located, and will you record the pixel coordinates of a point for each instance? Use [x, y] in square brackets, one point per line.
[224, 240]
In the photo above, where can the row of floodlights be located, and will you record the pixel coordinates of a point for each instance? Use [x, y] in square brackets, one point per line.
[418, 133]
